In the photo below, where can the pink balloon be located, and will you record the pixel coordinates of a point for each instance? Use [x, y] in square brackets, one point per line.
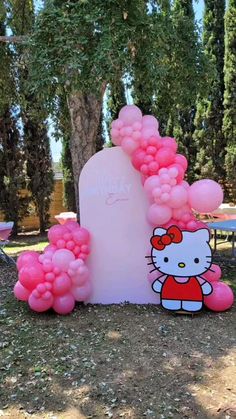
[81, 236]
[136, 135]
[180, 159]
[178, 197]
[148, 132]
[159, 214]
[20, 292]
[214, 274]
[150, 184]
[130, 114]
[64, 304]
[205, 195]
[62, 284]
[221, 298]
[191, 225]
[51, 248]
[180, 169]
[129, 145]
[82, 293]
[170, 142]
[179, 212]
[150, 121]
[40, 304]
[138, 158]
[62, 259]
[27, 258]
[165, 156]
[31, 276]
[117, 124]
[56, 233]
[72, 225]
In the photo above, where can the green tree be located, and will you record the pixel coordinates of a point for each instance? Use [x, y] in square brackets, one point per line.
[229, 122]
[209, 117]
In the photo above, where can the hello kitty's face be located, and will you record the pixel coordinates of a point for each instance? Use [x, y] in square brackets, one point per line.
[191, 256]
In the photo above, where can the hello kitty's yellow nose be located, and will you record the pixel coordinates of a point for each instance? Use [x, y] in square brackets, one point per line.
[181, 265]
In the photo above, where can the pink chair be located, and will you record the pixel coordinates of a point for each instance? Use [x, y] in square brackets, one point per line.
[5, 231]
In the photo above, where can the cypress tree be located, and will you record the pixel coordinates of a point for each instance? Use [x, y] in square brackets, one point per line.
[229, 122]
[209, 117]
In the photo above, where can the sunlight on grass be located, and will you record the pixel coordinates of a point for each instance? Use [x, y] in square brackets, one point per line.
[15, 250]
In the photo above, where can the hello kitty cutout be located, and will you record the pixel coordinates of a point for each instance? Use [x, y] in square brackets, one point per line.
[181, 257]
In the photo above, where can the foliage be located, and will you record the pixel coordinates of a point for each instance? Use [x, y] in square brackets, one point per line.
[208, 135]
[229, 122]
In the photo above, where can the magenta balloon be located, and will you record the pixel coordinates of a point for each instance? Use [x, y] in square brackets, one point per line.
[64, 304]
[205, 195]
[178, 197]
[71, 225]
[165, 156]
[31, 276]
[159, 214]
[27, 258]
[62, 284]
[138, 158]
[40, 304]
[150, 121]
[214, 274]
[129, 145]
[170, 142]
[83, 292]
[180, 159]
[62, 259]
[130, 114]
[20, 292]
[81, 236]
[56, 233]
[221, 298]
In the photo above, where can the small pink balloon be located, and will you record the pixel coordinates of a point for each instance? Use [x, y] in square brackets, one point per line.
[150, 184]
[165, 156]
[31, 276]
[130, 114]
[82, 293]
[159, 214]
[181, 172]
[150, 121]
[180, 159]
[62, 284]
[138, 158]
[70, 245]
[62, 258]
[40, 304]
[64, 304]
[72, 225]
[129, 145]
[178, 197]
[27, 258]
[148, 132]
[50, 248]
[205, 195]
[179, 212]
[137, 126]
[221, 298]
[136, 135]
[214, 274]
[20, 292]
[56, 233]
[117, 124]
[191, 225]
[170, 142]
[61, 244]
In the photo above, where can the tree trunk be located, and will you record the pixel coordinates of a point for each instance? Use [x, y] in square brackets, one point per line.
[85, 111]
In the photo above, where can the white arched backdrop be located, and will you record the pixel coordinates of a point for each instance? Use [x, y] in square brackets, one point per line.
[113, 207]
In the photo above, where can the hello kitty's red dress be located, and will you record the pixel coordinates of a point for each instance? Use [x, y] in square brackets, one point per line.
[188, 291]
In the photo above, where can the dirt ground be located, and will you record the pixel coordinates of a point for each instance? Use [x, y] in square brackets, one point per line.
[125, 361]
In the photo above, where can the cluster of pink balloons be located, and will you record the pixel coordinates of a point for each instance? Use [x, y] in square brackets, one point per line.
[222, 296]
[58, 277]
[172, 200]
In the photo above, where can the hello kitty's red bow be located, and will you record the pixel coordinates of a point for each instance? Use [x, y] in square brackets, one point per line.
[173, 235]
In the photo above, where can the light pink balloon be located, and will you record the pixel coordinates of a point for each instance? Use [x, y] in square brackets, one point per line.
[148, 132]
[214, 274]
[170, 142]
[165, 156]
[150, 184]
[181, 172]
[51, 248]
[191, 225]
[150, 121]
[159, 214]
[221, 298]
[62, 284]
[129, 145]
[31, 276]
[64, 304]
[82, 293]
[20, 292]
[27, 258]
[130, 114]
[178, 197]
[179, 212]
[62, 259]
[56, 233]
[205, 195]
[117, 124]
[40, 304]
[180, 159]
[81, 236]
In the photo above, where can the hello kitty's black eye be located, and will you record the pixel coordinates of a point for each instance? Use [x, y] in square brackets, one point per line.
[166, 259]
[196, 260]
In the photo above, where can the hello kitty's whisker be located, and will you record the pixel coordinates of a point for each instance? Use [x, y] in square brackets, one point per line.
[150, 256]
[153, 270]
[210, 269]
[150, 263]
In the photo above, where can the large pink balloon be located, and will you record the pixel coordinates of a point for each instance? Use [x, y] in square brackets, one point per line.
[42, 303]
[150, 121]
[178, 197]
[82, 293]
[20, 292]
[214, 274]
[62, 259]
[170, 142]
[180, 159]
[27, 258]
[165, 156]
[205, 195]
[62, 284]
[64, 304]
[56, 233]
[130, 114]
[221, 298]
[81, 236]
[31, 276]
[159, 214]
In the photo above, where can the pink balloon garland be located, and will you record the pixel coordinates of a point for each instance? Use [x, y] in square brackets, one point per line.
[59, 276]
